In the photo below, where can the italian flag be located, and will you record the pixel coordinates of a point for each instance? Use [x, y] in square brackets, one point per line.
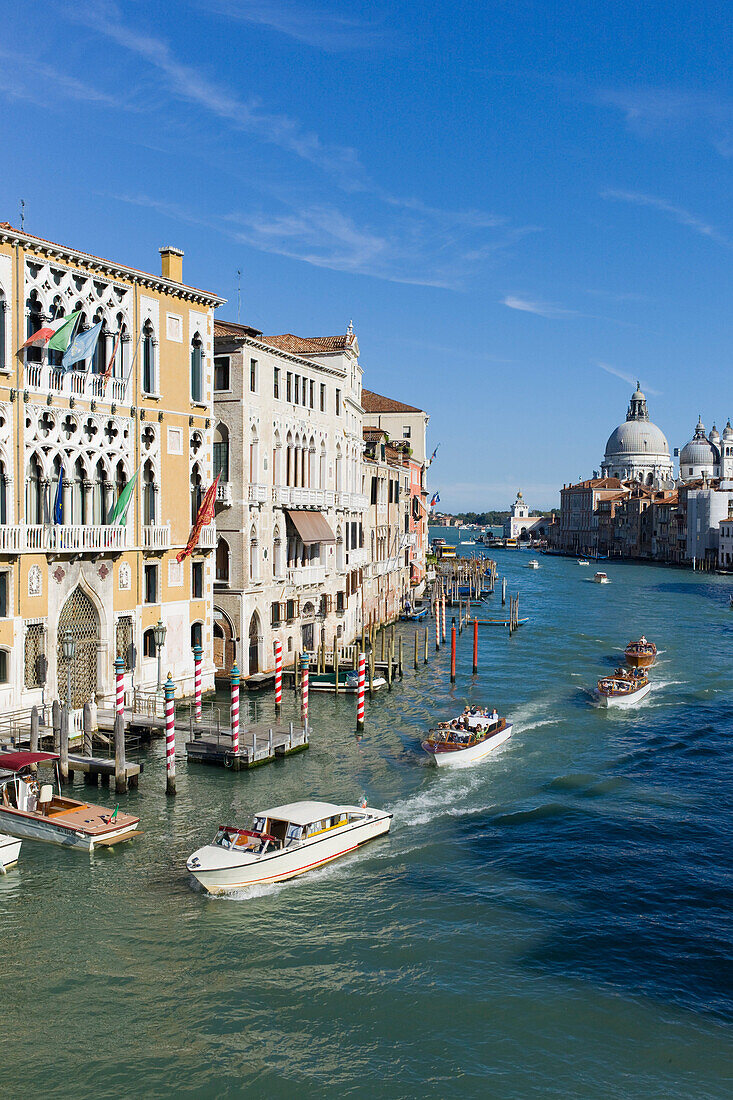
[118, 515]
[57, 334]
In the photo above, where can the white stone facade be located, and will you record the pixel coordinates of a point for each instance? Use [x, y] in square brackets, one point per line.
[288, 440]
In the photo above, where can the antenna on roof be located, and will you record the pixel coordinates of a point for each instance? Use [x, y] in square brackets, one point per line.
[239, 293]
[22, 214]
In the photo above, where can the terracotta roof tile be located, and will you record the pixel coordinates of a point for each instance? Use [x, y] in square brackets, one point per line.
[300, 345]
[375, 403]
[232, 330]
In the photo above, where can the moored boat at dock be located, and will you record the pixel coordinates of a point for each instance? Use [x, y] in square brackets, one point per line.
[467, 739]
[624, 688]
[641, 654]
[284, 842]
[9, 852]
[31, 809]
[413, 614]
[348, 682]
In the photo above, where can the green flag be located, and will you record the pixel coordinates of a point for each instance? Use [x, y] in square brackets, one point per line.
[118, 515]
[62, 336]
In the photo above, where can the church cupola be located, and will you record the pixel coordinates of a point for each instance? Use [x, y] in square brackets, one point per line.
[637, 405]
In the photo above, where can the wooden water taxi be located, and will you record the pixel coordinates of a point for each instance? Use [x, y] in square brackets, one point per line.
[641, 654]
[284, 842]
[625, 688]
[601, 578]
[31, 809]
[466, 740]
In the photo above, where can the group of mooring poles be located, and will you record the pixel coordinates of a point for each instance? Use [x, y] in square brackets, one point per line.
[453, 649]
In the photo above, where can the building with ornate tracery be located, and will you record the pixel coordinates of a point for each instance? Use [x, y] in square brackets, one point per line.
[77, 438]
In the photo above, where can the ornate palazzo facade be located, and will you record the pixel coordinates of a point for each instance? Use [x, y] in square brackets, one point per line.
[70, 442]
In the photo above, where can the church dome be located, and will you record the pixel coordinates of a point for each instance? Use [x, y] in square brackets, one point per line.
[637, 437]
[714, 436]
[699, 452]
[728, 432]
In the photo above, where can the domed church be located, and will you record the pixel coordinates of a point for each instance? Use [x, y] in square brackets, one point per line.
[707, 456]
[637, 450]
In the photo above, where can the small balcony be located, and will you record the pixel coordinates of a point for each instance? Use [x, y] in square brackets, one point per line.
[42, 378]
[256, 493]
[207, 537]
[224, 493]
[351, 502]
[156, 537]
[292, 496]
[307, 574]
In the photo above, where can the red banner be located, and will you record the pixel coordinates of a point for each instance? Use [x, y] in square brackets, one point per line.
[204, 517]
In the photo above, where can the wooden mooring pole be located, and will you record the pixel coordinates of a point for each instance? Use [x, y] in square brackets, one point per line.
[64, 746]
[120, 783]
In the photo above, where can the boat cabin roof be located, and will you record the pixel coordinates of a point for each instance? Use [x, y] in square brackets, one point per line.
[302, 813]
[14, 761]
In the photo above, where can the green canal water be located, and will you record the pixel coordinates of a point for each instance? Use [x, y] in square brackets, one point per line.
[555, 922]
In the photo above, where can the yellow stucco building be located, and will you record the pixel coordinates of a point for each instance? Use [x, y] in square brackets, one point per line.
[69, 442]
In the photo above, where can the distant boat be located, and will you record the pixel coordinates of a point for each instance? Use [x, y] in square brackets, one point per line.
[415, 615]
[601, 578]
[641, 654]
[533, 564]
[467, 542]
[583, 561]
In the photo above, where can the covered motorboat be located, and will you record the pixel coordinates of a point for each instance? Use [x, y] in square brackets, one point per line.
[467, 739]
[641, 654]
[284, 842]
[625, 688]
[31, 808]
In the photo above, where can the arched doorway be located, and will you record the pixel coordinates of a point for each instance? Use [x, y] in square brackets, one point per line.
[223, 642]
[255, 636]
[80, 616]
[306, 629]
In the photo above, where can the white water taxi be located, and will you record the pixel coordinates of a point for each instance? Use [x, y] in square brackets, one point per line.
[9, 852]
[533, 564]
[284, 842]
[623, 689]
[583, 561]
[466, 740]
[601, 578]
[30, 809]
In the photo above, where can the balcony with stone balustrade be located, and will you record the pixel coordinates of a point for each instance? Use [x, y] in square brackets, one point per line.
[42, 378]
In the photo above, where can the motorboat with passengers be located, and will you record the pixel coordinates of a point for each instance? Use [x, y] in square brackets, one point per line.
[31, 808]
[467, 739]
[624, 689]
[284, 842]
[641, 654]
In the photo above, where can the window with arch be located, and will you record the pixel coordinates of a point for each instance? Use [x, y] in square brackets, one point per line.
[79, 503]
[149, 649]
[99, 356]
[197, 634]
[148, 358]
[120, 483]
[339, 550]
[222, 561]
[254, 555]
[150, 509]
[221, 451]
[101, 495]
[57, 310]
[122, 340]
[35, 321]
[276, 459]
[197, 368]
[4, 666]
[254, 455]
[197, 491]
[34, 491]
[278, 561]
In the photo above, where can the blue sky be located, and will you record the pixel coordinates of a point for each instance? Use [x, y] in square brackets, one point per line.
[522, 207]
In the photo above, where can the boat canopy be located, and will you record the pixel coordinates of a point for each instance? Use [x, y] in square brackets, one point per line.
[14, 761]
[303, 813]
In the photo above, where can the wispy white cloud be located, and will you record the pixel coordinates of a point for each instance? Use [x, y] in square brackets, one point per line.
[625, 376]
[680, 215]
[332, 31]
[541, 309]
[35, 82]
[649, 110]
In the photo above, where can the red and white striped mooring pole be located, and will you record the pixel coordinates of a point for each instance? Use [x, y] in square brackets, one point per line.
[119, 686]
[442, 601]
[197, 657]
[360, 696]
[170, 737]
[278, 676]
[234, 711]
[304, 663]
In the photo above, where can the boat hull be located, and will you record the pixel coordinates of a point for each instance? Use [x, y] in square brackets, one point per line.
[9, 851]
[378, 683]
[624, 700]
[640, 660]
[281, 866]
[472, 754]
[32, 827]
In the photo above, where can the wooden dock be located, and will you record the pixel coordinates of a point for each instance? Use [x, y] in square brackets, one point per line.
[258, 745]
[96, 767]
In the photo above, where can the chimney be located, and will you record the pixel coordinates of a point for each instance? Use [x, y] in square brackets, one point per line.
[171, 262]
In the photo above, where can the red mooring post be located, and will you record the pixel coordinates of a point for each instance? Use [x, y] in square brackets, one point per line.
[234, 709]
[362, 689]
[278, 676]
[170, 737]
[120, 686]
[475, 646]
[198, 654]
[304, 663]
[453, 650]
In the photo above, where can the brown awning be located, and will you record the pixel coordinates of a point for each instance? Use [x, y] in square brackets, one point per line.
[311, 526]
